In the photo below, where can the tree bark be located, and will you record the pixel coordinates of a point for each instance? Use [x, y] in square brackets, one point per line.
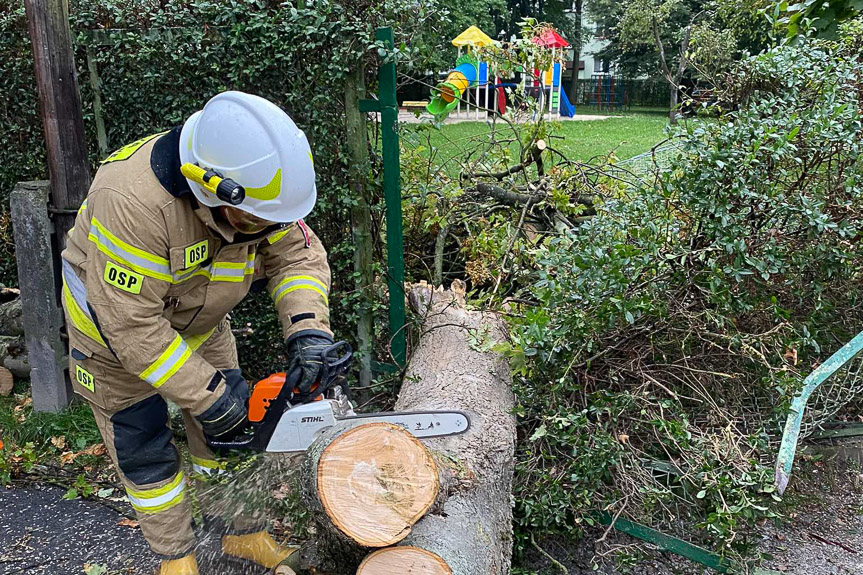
[361, 218]
[11, 322]
[453, 367]
[440, 507]
[672, 108]
[60, 106]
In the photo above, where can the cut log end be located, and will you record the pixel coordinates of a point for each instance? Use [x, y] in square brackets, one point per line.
[403, 560]
[7, 382]
[375, 481]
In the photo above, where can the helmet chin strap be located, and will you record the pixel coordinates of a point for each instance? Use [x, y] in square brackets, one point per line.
[225, 189]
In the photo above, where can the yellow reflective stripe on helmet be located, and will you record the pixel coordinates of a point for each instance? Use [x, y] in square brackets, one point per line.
[268, 192]
[123, 253]
[168, 363]
[273, 238]
[294, 283]
[160, 498]
[197, 341]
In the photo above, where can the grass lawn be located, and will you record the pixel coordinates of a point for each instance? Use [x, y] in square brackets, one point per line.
[627, 135]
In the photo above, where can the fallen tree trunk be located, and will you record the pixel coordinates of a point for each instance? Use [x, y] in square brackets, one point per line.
[440, 506]
[366, 486]
[469, 532]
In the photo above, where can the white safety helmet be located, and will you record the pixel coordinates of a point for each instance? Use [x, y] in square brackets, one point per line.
[255, 143]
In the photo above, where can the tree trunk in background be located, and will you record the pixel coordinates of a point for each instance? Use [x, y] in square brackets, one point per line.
[576, 52]
[672, 108]
[60, 107]
[361, 219]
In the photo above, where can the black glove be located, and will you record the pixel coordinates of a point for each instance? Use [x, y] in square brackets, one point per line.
[226, 418]
[305, 352]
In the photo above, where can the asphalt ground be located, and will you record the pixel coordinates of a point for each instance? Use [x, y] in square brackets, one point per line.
[43, 534]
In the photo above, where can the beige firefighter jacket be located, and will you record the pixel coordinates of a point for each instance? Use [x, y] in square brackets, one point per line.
[148, 274]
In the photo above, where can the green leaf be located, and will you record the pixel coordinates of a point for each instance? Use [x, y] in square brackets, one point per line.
[539, 433]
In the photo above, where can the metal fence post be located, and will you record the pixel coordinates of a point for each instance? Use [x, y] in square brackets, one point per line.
[387, 105]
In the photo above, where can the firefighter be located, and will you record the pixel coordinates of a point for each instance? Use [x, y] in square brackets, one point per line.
[176, 229]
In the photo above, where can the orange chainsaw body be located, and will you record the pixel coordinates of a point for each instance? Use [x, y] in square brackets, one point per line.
[265, 391]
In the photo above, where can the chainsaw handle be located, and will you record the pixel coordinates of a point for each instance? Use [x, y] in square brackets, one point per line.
[336, 360]
[337, 365]
[263, 431]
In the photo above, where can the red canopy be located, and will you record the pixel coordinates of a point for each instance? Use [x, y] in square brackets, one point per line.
[550, 39]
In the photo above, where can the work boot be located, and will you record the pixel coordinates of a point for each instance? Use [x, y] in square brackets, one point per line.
[185, 566]
[260, 548]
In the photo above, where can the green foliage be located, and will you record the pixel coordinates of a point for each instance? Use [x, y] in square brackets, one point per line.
[159, 61]
[660, 353]
[820, 18]
[723, 31]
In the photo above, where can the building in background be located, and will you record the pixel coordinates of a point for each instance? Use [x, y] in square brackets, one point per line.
[590, 64]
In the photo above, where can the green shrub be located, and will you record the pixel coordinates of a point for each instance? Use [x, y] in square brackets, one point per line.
[671, 330]
[159, 61]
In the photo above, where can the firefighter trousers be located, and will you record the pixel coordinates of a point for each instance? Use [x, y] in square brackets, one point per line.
[135, 426]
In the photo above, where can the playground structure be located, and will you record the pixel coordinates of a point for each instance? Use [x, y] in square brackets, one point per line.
[470, 72]
[447, 95]
[551, 81]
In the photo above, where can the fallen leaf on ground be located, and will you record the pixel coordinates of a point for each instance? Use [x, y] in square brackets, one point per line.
[68, 457]
[18, 410]
[59, 442]
[623, 438]
[98, 449]
[126, 522]
[791, 355]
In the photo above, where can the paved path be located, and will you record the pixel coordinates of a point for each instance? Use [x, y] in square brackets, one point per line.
[43, 534]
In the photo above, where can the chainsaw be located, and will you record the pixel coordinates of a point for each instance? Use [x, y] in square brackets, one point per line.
[284, 420]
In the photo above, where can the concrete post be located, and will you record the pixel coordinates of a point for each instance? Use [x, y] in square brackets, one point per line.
[42, 315]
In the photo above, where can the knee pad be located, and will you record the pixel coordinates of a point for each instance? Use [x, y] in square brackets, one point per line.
[142, 440]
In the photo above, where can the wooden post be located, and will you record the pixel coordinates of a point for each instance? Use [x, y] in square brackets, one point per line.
[42, 315]
[60, 106]
[101, 134]
[361, 217]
